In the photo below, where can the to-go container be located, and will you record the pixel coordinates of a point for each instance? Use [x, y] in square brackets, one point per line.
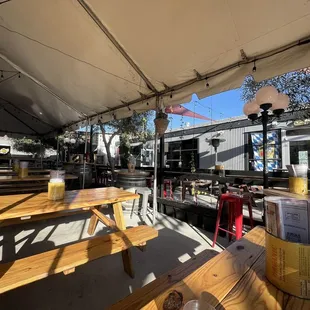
[287, 245]
[23, 169]
[56, 185]
[219, 165]
[16, 165]
[298, 179]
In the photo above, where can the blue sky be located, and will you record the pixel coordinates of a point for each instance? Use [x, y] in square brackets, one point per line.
[220, 106]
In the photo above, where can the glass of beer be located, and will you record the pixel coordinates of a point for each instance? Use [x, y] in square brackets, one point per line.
[23, 169]
[56, 185]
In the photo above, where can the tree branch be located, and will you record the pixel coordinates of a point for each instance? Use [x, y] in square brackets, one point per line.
[103, 133]
[113, 135]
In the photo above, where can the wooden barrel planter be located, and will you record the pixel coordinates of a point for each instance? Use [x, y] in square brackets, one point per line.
[79, 171]
[130, 181]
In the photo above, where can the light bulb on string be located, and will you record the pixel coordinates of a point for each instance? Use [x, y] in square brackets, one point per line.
[2, 76]
[254, 67]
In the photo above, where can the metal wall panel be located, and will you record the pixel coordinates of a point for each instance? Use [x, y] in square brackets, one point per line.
[230, 152]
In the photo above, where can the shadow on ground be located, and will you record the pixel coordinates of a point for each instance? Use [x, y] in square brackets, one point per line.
[99, 283]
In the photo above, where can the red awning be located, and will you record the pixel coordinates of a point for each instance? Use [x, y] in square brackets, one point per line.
[180, 110]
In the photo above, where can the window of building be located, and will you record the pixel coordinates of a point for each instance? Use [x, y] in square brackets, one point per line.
[180, 154]
[300, 152]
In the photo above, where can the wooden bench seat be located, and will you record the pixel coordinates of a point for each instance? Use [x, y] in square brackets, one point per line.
[65, 259]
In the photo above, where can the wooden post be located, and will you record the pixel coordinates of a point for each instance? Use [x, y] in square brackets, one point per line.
[120, 223]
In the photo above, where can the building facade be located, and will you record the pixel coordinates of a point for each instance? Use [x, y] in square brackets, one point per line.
[240, 145]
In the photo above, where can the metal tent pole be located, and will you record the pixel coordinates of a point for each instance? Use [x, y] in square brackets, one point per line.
[265, 157]
[85, 151]
[41, 154]
[57, 158]
[161, 169]
[155, 180]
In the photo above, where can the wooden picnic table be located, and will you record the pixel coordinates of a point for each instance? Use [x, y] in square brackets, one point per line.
[30, 178]
[234, 279]
[32, 268]
[284, 192]
[25, 205]
[10, 172]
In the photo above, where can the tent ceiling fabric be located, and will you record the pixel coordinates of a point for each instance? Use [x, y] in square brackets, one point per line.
[73, 70]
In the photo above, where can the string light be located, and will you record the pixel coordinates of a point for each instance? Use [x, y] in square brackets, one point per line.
[254, 67]
[171, 95]
[207, 84]
[2, 76]
[19, 75]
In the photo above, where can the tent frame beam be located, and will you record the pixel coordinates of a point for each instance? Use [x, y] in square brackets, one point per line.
[207, 76]
[19, 133]
[23, 111]
[105, 30]
[43, 86]
[21, 121]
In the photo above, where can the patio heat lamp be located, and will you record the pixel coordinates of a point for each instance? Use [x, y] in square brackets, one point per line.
[215, 141]
[267, 98]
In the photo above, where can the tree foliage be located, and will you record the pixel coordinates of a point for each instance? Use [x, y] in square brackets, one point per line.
[29, 146]
[294, 84]
[138, 127]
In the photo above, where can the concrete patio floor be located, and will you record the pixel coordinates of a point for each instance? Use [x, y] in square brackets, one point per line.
[100, 283]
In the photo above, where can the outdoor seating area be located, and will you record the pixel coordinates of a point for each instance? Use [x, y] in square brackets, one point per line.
[154, 155]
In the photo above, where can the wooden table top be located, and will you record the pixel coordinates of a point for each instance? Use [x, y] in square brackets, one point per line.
[22, 205]
[11, 179]
[233, 279]
[284, 192]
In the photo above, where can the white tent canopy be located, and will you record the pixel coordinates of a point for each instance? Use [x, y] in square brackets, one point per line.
[100, 59]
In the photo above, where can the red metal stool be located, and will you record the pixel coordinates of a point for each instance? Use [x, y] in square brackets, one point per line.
[169, 183]
[235, 204]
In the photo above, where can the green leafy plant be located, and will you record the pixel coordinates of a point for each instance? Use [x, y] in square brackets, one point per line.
[294, 84]
[34, 147]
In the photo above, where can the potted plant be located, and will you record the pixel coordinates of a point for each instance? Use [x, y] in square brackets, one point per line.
[131, 163]
[161, 122]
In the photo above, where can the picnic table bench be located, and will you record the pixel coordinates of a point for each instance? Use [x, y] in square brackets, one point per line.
[66, 258]
[234, 279]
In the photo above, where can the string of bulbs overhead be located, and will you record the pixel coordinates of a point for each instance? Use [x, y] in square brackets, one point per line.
[8, 71]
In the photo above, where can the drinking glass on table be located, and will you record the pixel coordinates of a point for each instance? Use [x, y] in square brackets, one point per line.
[56, 185]
[197, 305]
[23, 169]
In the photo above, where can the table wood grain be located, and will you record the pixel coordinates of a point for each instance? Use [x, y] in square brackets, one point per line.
[17, 206]
[218, 277]
[285, 193]
[234, 279]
